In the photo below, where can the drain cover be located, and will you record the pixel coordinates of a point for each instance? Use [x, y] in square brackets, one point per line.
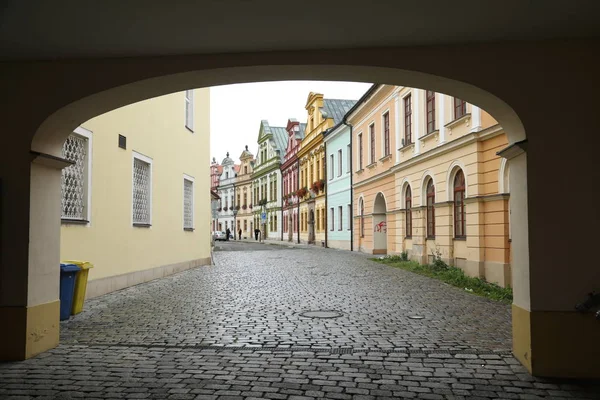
[321, 314]
[416, 317]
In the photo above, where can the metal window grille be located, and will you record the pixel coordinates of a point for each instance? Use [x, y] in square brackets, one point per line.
[141, 192]
[74, 178]
[188, 203]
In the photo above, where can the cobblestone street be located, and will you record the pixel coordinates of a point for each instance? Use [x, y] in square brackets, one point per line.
[236, 330]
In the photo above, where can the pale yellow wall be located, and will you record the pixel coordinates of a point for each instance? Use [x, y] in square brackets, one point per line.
[156, 129]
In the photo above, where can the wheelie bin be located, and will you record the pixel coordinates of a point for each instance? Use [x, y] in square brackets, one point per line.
[81, 280]
[67, 288]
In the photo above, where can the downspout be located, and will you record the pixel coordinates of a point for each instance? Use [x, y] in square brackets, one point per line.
[281, 207]
[297, 199]
[345, 122]
[325, 178]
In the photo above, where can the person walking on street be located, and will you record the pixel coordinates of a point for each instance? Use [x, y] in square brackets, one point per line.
[227, 234]
[256, 234]
[240, 234]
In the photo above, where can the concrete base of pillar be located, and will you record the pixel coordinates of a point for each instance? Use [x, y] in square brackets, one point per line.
[101, 286]
[557, 344]
[29, 331]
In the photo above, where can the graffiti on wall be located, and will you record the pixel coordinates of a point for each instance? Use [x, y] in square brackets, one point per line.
[381, 227]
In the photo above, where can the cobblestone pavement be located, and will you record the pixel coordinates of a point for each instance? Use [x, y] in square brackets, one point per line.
[235, 330]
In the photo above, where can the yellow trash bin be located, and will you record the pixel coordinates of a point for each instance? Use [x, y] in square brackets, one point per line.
[80, 284]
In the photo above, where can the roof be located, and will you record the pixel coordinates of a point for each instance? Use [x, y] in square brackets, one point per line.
[220, 169]
[354, 106]
[236, 168]
[280, 136]
[300, 133]
[336, 109]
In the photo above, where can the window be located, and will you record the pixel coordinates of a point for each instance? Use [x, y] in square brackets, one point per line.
[408, 208]
[372, 139]
[275, 226]
[322, 219]
[360, 152]
[76, 178]
[318, 169]
[348, 161]
[340, 218]
[245, 169]
[189, 109]
[274, 190]
[339, 162]
[460, 108]
[245, 225]
[430, 209]
[459, 205]
[362, 217]
[142, 190]
[188, 202]
[430, 111]
[330, 166]
[386, 134]
[332, 216]
[407, 120]
[349, 217]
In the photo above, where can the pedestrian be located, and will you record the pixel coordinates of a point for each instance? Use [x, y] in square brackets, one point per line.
[240, 234]
[227, 234]
[256, 234]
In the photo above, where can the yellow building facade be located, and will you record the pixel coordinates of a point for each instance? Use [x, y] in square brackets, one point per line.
[322, 114]
[136, 201]
[427, 181]
[243, 195]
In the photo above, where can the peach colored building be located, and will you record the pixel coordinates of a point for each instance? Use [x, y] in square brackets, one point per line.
[427, 181]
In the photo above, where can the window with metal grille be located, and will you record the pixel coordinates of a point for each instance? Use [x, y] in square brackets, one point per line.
[74, 184]
[189, 109]
[372, 139]
[386, 134]
[142, 192]
[430, 209]
[459, 205]
[408, 207]
[460, 108]
[407, 120]
[188, 204]
[430, 111]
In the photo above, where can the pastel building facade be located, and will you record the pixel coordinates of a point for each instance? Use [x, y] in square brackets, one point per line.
[339, 186]
[291, 179]
[243, 195]
[266, 179]
[136, 200]
[226, 191]
[322, 114]
[427, 181]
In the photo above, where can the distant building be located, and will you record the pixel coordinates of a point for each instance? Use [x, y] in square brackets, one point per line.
[243, 195]
[226, 190]
[290, 176]
[266, 178]
[339, 187]
[322, 114]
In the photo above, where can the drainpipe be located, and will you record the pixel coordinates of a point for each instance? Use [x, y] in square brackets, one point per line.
[281, 207]
[325, 178]
[297, 199]
[345, 122]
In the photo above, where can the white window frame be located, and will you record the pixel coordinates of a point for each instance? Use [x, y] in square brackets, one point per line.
[340, 162]
[332, 213]
[189, 109]
[331, 167]
[81, 131]
[190, 179]
[146, 159]
[349, 209]
[341, 218]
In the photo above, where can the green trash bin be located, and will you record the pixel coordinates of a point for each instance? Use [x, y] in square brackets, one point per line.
[80, 284]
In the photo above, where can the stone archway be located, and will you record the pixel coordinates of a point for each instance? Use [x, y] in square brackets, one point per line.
[380, 225]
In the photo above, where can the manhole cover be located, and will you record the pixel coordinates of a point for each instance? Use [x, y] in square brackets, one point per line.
[416, 317]
[321, 314]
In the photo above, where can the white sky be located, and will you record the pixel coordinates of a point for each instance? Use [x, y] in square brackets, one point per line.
[236, 110]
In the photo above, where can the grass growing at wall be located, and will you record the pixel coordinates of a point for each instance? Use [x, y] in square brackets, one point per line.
[451, 275]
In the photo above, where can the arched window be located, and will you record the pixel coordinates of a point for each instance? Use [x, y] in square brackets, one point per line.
[408, 207]
[430, 209]
[362, 218]
[459, 205]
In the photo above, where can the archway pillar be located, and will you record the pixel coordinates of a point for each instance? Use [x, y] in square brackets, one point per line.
[29, 253]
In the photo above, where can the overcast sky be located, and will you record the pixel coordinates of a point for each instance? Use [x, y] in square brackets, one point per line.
[236, 110]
